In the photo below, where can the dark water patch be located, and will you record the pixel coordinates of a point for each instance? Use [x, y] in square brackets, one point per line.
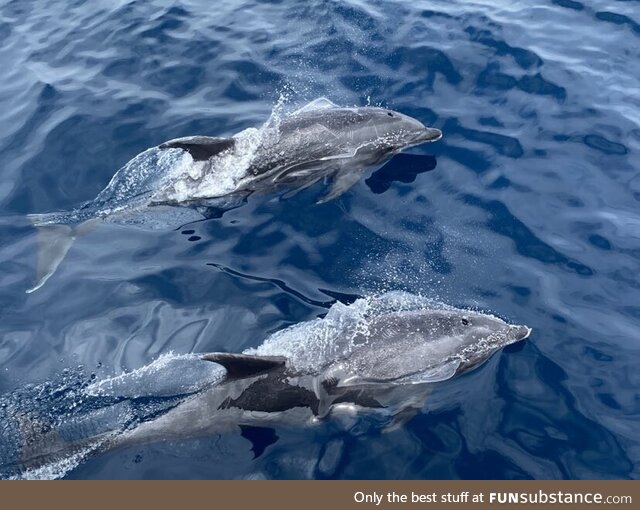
[490, 121]
[569, 4]
[48, 100]
[618, 19]
[122, 68]
[536, 84]
[435, 14]
[521, 291]
[364, 81]
[600, 143]
[600, 242]
[597, 354]
[177, 80]
[474, 160]
[5, 31]
[402, 168]
[523, 57]
[427, 62]
[258, 242]
[597, 142]
[260, 437]
[505, 145]
[503, 222]
[497, 467]
[249, 72]
[435, 254]
[492, 77]
[285, 288]
[591, 444]
[608, 400]
[333, 48]
[357, 17]
[160, 27]
[500, 183]
[633, 311]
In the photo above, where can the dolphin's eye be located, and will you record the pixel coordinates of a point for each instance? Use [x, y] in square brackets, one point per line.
[465, 322]
[390, 114]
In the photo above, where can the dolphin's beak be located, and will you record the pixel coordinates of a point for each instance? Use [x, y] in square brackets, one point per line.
[518, 333]
[430, 135]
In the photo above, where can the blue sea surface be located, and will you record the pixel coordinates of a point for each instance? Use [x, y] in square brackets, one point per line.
[529, 208]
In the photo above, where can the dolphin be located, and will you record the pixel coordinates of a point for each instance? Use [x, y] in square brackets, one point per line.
[368, 357]
[193, 178]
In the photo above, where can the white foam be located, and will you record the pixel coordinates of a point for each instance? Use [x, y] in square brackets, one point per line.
[197, 180]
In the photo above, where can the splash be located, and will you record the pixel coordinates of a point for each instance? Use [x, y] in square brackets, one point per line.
[195, 180]
[169, 375]
[47, 430]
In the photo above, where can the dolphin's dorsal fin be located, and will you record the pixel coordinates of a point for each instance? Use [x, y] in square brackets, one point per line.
[240, 366]
[322, 103]
[201, 148]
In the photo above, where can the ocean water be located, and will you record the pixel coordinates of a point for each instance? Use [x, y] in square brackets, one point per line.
[528, 208]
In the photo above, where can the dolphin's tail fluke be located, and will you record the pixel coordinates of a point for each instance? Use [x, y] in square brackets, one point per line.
[41, 451]
[54, 240]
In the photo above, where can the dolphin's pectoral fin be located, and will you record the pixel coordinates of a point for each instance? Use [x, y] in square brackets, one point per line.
[306, 171]
[215, 207]
[359, 397]
[239, 366]
[201, 148]
[401, 418]
[302, 176]
[260, 438]
[54, 242]
[439, 373]
[326, 391]
[342, 181]
[299, 189]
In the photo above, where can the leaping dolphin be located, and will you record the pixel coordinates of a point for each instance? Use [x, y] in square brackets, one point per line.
[378, 355]
[181, 180]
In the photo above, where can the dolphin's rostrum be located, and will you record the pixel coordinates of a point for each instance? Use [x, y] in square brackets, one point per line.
[378, 355]
[185, 179]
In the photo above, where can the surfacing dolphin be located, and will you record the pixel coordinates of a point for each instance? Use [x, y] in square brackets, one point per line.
[378, 355]
[183, 180]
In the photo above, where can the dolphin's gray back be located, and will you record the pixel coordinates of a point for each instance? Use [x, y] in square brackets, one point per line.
[399, 344]
[331, 118]
[321, 136]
